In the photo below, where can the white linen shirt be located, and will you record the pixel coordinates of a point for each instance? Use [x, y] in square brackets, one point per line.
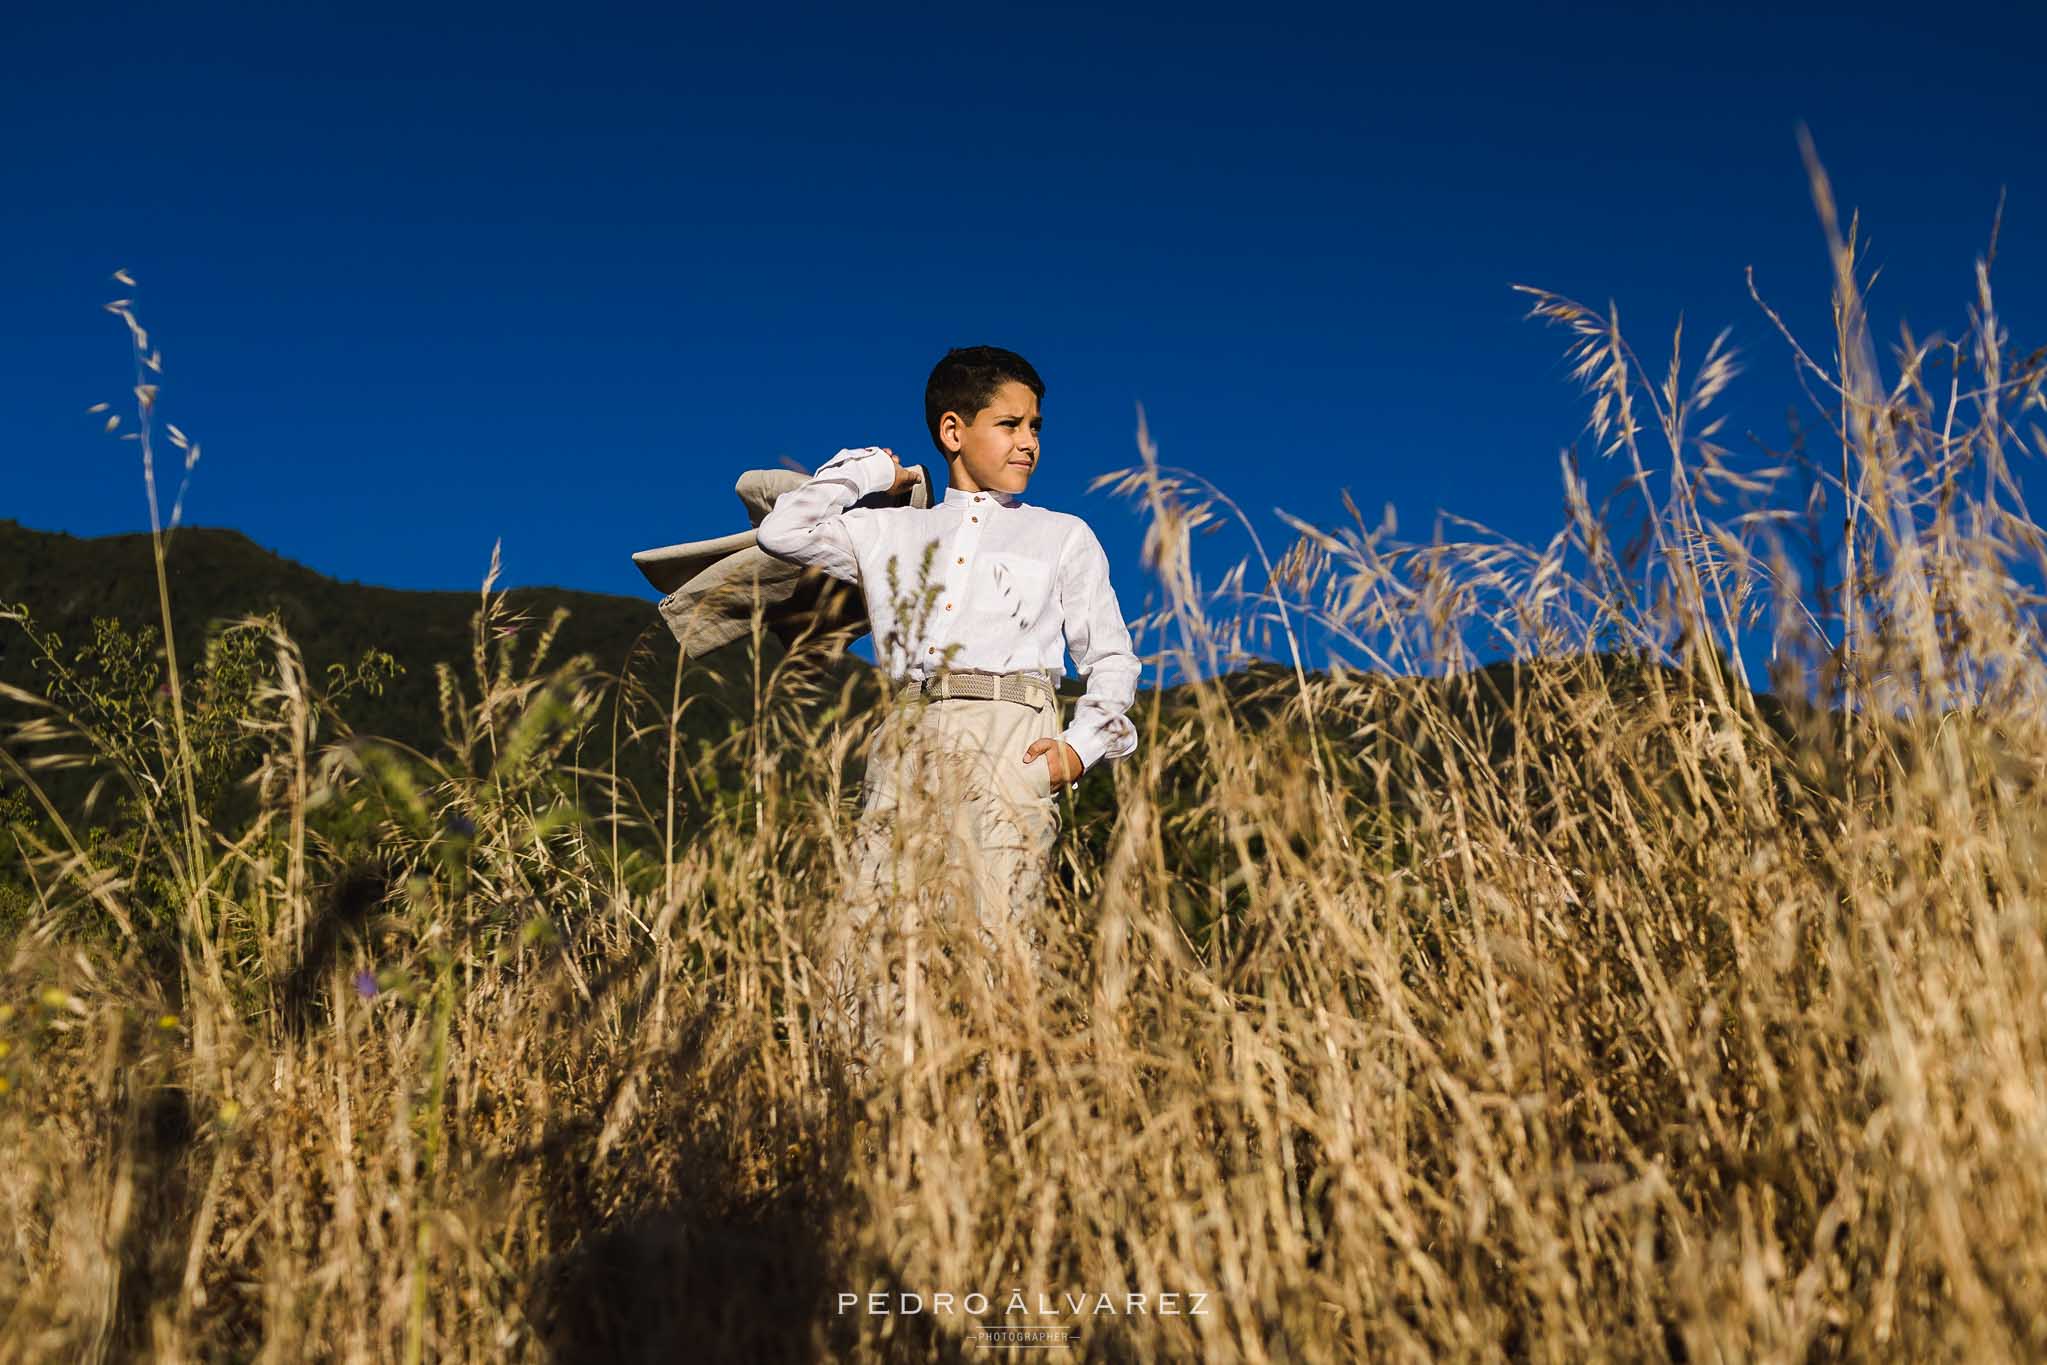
[1006, 579]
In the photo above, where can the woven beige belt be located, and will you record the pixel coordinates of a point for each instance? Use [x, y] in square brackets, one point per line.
[1033, 687]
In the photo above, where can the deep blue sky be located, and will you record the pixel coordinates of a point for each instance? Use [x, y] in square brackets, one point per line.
[558, 275]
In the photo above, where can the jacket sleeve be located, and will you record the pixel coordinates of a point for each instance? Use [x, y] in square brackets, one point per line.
[816, 523]
[1100, 644]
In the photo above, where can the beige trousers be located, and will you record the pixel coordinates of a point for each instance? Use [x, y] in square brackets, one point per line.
[950, 856]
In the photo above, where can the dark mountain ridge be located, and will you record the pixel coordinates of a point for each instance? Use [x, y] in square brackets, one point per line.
[214, 574]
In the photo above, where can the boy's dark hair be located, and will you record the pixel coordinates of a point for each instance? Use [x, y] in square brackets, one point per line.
[966, 379]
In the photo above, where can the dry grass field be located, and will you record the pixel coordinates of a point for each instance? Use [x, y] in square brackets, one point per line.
[1584, 1008]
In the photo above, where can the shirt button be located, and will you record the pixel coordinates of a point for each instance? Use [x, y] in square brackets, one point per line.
[961, 560]
[973, 518]
[932, 650]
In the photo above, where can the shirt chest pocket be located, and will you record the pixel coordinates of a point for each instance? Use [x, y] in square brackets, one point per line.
[1018, 587]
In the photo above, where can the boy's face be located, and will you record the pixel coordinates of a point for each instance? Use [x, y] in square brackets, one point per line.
[998, 450]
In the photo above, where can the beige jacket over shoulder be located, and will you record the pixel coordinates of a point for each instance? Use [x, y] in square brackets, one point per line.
[713, 586]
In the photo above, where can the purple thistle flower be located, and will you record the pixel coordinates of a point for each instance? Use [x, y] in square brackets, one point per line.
[366, 984]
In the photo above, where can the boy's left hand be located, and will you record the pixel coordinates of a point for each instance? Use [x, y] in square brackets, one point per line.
[1066, 765]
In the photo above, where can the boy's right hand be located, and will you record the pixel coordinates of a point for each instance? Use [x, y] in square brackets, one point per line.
[906, 479]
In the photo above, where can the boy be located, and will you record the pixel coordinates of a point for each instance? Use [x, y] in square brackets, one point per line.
[968, 600]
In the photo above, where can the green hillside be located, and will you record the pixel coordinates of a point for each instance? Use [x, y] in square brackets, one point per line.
[215, 574]
[92, 603]
[72, 586]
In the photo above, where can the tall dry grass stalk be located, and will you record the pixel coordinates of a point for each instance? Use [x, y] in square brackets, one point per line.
[1587, 1006]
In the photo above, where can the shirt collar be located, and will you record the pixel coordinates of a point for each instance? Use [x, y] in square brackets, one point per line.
[960, 497]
